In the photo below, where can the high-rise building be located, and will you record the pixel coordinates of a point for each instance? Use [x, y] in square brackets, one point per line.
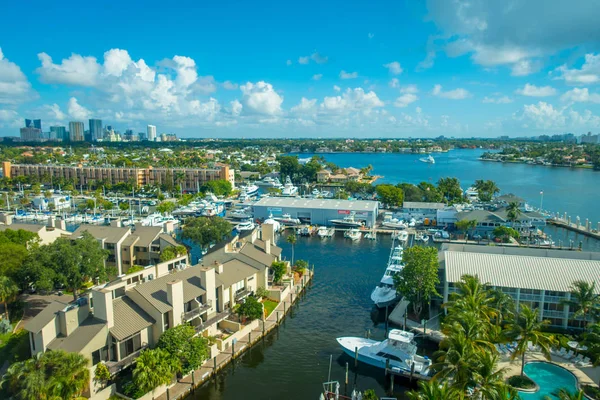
[58, 133]
[76, 131]
[31, 134]
[33, 123]
[96, 129]
[151, 133]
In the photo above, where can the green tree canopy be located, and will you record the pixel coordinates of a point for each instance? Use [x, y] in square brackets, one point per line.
[203, 230]
[390, 195]
[505, 232]
[251, 308]
[172, 252]
[486, 189]
[279, 269]
[189, 350]
[154, 368]
[166, 207]
[219, 187]
[450, 189]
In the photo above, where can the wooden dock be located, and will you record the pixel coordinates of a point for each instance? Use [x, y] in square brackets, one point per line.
[579, 228]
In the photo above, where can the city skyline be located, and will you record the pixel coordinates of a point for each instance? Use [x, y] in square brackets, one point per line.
[397, 69]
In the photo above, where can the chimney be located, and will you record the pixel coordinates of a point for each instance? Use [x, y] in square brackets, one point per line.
[61, 224]
[207, 279]
[267, 246]
[218, 267]
[268, 232]
[52, 222]
[103, 306]
[116, 223]
[175, 298]
[6, 218]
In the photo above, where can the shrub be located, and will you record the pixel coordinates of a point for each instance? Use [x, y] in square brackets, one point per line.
[250, 309]
[279, 269]
[521, 382]
[101, 374]
[262, 292]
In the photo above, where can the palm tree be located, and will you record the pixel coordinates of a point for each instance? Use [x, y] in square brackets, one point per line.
[434, 390]
[513, 212]
[455, 361]
[564, 394]
[503, 303]
[70, 375]
[584, 299]
[8, 290]
[490, 379]
[526, 327]
[292, 239]
[154, 368]
[470, 296]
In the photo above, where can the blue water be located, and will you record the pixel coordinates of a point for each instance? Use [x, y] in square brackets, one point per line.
[550, 378]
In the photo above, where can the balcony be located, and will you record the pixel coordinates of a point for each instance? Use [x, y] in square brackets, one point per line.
[241, 294]
[213, 320]
[195, 312]
[553, 314]
[116, 366]
[530, 297]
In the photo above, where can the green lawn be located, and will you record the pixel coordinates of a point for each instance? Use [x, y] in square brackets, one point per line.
[269, 306]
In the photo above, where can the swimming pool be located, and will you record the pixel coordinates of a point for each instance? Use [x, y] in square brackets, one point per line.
[550, 378]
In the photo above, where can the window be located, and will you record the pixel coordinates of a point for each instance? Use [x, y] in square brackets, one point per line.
[100, 355]
[166, 321]
[110, 246]
[32, 340]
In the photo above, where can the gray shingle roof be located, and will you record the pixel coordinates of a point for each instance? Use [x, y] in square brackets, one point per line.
[275, 250]
[233, 272]
[155, 291]
[45, 316]
[111, 234]
[147, 234]
[80, 337]
[536, 271]
[260, 256]
[479, 216]
[129, 318]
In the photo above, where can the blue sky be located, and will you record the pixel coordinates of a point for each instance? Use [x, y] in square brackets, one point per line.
[304, 69]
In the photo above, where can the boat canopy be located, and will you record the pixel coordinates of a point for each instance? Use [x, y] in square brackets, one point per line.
[401, 336]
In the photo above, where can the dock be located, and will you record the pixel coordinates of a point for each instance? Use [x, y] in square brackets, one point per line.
[584, 229]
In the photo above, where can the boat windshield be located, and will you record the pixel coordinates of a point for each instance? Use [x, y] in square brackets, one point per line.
[408, 348]
[390, 356]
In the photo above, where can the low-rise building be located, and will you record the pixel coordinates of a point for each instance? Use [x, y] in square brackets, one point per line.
[488, 220]
[420, 210]
[47, 233]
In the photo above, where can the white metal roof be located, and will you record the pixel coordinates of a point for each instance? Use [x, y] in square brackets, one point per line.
[521, 271]
[424, 205]
[331, 204]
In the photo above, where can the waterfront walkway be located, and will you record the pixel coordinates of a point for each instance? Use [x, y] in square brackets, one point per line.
[583, 228]
[187, 384]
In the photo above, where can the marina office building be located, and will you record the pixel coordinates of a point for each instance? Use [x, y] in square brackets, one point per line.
[541, 278]
[317, 211]
[188, 178]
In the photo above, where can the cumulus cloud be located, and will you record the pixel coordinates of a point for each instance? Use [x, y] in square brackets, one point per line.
[582, 95]
[497, 33]
[497, 100]
[405, 100]
[394, 83]
[337, 88]
[525, 67]
[545, 116]
[14, 86]
[409, 89]
[351, 100]
[236, 107]
[304, 60]
[348, 75]
[316, 57]
[228, 85]
[536, 91]
[317, 77]
[77, 111]
[75, 70]
[10, 119]
[261, 98]
[455, 94]
[589, 72]
[305, 106]
[394, 67]
[54, 111]
[289, 62]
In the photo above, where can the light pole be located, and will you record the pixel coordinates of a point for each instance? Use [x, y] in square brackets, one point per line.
[541, 199]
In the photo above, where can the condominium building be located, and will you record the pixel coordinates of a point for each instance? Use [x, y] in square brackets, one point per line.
[76, 131]
[151, 130]
[189, 178]
[31, 134]
[33, 123]
[540, 278]
[58, 133]
[96, 131]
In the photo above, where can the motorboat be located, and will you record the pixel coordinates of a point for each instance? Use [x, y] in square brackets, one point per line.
[272, 221]
[398, 352]
[428, 159]
[385, 293]
[325, 232]
[316, 193]
[240, 213]
[422, 236]
[286, 219]
[213, 209]
[269, 183]
[347, 221]
[308, 230]
[289, 190]
[472, 194]
[394, 223]
[412, 223]
[248, 192]
[401, 236]
[353, 234]
[247, 225]
[371, 235]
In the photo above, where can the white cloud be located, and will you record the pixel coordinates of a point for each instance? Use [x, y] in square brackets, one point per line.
[394, 68]
[536, 91]
[54, 111]
[409, 89]
[289, 62]
[525, 67]
[304, 60]
[348, 75]
[589, 72]
[260, 98]
[14, 86]
[405, 100]
[316, 77]
[582, 95]
[236, 107]
[351, 100]
[228, 85]
[337, 88]
[497, 100]
[75, 70]
[77, 111]
[316, 57]
[305, 106]
[10, 119]
[455, 94]
[544, 116]
[394, 83]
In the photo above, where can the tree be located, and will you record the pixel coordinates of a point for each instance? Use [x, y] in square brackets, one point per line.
[390, 195]
[486, 189]
[288, 166]
[292, 239]
[434, 390]
[172, 252]
[513, 212]
[53, 375]
[204, 231]
[505, 233]
[166, 207]
[189, 350]
[250, 308]
[101, 374]
[262, 292]
[417, 280]
[465, 225]
[278, 268]
[525, 327]
[450, 189]
[154, 368]
[564, 394]
[584, 300]
[124, 206]
[219, 187]
[8, 291]
[300, 267]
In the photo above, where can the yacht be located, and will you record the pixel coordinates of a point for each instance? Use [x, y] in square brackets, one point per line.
[213, 209]
[394, 223]
[308, 230]
[399, 350]
[286, 219]
[240, 213]
[385, 293]
[472, 194]
[422, 236]
[315, 193]
[428, 159]
[353, 234]
[271, 221]
[325, 232]
[157, 219]
[247, 192]
[289, 190]
[247, 225]
[371, 235]
[347, 221]
[269, 183]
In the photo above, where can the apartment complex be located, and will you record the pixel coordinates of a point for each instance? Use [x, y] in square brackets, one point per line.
[540, 278]
[76, 131]
[114, 322]
[189, 178]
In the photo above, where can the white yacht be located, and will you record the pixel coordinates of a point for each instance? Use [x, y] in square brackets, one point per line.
[422, 236]
[385, 293]
[325, 232]
[240, 213]
[347, 221]
[269, 183]
[247, 225]
[247, 192]
[399, 349]
[353, 234]
[428, 159]
[286, 219]
[472, 194]
[371, 235]
[289, 190]
[394, 223]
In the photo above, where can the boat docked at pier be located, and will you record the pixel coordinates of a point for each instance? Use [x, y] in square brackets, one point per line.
[269, 183]
[428, 159]
[247, 225]
[240, 213]
[385, 293]
[308, 230]
[248, 192]
[348, 222]
[289, 190]
[353, 234]
[398, 352]
[325, 232]
[394, 223]
[286, 219]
